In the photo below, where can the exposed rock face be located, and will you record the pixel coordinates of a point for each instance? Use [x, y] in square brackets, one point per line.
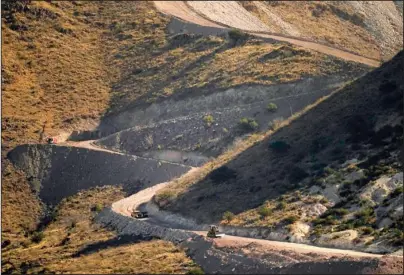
[382, 187]
[59, 171]
[342, 239]
[313, 210]
[179, 124]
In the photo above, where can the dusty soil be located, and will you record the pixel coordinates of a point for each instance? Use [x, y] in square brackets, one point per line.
[277, 257]
[211, 12]
[126, 205]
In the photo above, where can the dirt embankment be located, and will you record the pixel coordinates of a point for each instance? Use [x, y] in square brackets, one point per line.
[236, 255]
[234, 258]
[56, 172]
[182, 125]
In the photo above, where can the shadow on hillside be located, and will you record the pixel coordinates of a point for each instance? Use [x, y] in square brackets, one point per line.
[115, 242]
[338, 129]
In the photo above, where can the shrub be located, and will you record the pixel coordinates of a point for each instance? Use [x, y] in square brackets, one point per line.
[195, 271]
[275, 124]
[279, 146]
[272, 107]
[37, 237]
[328, 171]
[397, 192]
[324, 200]
[345, 226]
[222, 174]
[228, 216]
[248, 124]
[98, 207]
[165, 195]
[208, 119]
[264, 211]
[237, 35]
[291, 219]
[367, 230]
[281, 205]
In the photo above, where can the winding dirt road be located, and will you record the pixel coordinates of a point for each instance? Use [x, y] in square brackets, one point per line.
[126, 205]
[209, 14]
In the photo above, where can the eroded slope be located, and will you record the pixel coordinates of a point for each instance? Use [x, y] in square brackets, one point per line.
[359, 124]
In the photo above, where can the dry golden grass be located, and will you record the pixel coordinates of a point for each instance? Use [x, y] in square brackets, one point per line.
[319, 21]
[78, 61]
[247, 64]
[58, 74]
[20, 208]
[53, 79]
[73, 230]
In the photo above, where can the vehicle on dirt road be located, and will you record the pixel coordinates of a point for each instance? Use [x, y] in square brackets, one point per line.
[139, 214]
[51, 140]
[213, 232]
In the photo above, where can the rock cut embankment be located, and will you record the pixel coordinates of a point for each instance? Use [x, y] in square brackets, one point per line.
[56, 172]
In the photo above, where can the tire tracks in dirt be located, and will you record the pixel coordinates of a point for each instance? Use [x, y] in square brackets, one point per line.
[183, 11]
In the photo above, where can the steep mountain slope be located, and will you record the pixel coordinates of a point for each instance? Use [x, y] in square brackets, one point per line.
[57, 75]
[369, 28]
[340, 157]
[81, 70]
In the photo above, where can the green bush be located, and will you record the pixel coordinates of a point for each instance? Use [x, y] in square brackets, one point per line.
[324, 200]
[367, 230]
[272, 107]
[237, 35]
[228, 216]
[37, 237]
[98, 207]
[291, 219]
[195, 271]
[248, 124]
[208, 119]
[337, 211]
[328, 171]
[281, 205]
[279, 146]
[397, 192]
[345, 226]
[264, 211]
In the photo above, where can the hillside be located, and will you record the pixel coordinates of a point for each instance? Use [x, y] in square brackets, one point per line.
[334, 168]
[371, 29]
[136, 96]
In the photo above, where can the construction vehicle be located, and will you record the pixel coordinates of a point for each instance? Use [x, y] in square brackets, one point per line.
[139, 214]
[50, 140]
[213, 232]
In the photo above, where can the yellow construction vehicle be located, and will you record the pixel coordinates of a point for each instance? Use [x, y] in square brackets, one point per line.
[213, 230]
[139, 214]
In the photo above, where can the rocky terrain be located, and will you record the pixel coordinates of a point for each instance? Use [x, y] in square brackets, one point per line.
[269, 119]
[335, 182]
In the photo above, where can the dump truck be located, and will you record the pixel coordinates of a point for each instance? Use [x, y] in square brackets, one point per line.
[139, 214]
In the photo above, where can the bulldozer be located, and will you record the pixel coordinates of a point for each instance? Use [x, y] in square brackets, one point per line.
[139, 214]
[213, 232]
